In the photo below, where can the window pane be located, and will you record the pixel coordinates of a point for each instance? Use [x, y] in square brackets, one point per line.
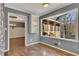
[70, 20]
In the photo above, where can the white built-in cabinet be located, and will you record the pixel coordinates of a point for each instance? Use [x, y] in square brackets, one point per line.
[34, 24]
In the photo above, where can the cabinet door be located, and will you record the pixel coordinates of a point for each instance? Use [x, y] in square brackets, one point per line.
[34, 24]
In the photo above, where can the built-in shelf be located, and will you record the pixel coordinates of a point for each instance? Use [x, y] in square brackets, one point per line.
[34, 24]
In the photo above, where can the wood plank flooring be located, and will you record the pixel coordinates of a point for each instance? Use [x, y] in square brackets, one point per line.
[16, 42]
[34, 50]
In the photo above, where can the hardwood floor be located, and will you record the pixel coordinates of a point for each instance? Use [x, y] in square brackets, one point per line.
[36, 50]
[16, 42]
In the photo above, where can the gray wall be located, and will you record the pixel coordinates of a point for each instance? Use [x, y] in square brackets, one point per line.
[2, 41]
[66, 45]
[34, 37]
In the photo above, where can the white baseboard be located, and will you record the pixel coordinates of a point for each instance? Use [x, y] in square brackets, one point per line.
[6, 50]
[2, 52]
[59, 48]
[33, 43]
[53, 47]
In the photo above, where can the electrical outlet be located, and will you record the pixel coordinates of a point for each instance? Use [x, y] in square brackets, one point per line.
[31, 40]
[57, 43]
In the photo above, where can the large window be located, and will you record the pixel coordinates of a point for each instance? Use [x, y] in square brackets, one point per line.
[61, 26]
[51, 28]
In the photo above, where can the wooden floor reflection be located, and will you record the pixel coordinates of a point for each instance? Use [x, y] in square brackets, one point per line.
[36, 50]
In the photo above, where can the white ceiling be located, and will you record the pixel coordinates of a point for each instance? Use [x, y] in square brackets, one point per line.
[36, 8]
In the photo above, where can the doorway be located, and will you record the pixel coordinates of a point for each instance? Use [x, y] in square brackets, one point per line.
[16, 31]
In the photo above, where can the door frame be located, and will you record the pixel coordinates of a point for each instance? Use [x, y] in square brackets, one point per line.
[25, 30]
